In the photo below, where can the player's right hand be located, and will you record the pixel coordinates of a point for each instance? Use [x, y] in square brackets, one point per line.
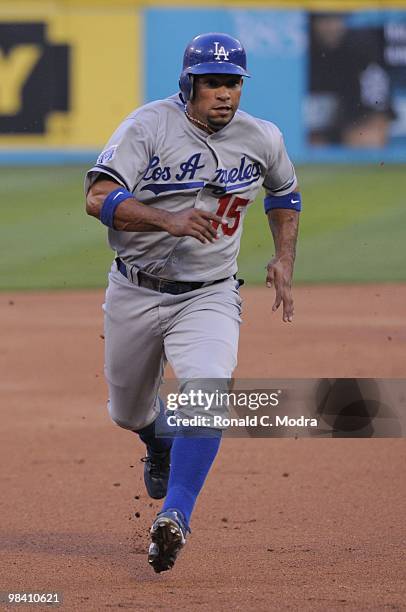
[194, 222]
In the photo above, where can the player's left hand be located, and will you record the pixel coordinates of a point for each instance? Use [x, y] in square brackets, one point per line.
[279, 275]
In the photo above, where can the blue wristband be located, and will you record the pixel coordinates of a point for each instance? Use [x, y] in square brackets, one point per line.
[291, 200]
[110, 204]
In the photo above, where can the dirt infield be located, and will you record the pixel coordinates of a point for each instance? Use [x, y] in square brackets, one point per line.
[281, 524]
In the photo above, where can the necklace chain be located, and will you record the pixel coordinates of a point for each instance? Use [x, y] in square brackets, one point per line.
[199, 123]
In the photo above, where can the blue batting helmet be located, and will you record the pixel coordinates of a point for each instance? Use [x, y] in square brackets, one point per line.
[212, 53]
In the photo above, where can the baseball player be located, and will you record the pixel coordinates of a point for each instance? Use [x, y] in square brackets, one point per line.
[173, 186]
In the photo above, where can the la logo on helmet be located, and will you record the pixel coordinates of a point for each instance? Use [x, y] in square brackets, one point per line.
[220, 52]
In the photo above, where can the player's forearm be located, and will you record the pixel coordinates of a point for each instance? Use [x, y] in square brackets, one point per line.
[284, 224]
[130, 215]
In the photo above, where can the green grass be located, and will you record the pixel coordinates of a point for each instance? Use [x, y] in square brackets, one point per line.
[353, 229]
[47, 239]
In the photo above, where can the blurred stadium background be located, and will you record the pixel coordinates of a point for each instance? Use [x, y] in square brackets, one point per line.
[331, 74]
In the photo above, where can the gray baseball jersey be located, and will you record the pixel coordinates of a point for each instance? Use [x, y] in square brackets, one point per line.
[169, 163]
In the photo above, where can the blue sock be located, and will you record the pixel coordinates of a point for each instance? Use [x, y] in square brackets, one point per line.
[191, 460]
[148, 433]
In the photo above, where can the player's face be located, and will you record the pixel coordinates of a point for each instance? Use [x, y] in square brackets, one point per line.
[216, 99]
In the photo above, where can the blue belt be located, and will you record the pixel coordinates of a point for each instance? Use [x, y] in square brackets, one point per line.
[163, 285]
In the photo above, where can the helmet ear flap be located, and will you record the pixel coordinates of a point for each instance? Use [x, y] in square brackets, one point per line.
[192, 86]
[186, 86]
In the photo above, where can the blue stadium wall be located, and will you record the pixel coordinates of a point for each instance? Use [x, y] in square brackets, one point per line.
[277, 47]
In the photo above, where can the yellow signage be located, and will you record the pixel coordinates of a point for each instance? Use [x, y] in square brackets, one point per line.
[67, 77]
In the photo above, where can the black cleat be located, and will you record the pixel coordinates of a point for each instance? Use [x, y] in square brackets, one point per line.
[156, 472]
[168, 536]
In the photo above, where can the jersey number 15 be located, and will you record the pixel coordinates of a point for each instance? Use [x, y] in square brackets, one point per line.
[230, 207]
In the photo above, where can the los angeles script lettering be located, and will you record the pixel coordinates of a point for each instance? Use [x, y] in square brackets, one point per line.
[187, 171]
